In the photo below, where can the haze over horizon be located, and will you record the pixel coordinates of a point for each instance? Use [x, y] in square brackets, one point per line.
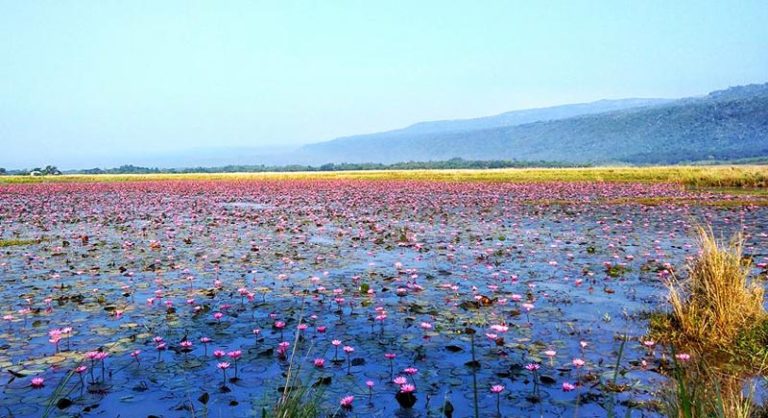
[101, 84]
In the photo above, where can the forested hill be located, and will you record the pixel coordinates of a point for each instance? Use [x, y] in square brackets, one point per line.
[724, 125]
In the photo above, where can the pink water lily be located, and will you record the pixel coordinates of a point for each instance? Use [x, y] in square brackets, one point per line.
[346, 402]
[273, 273]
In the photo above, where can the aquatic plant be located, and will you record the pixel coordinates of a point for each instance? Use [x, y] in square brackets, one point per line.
[534, 369]
[223, 366]
[369, 384]
[235, 355]
[190, 249]
[497, 389]
[391, 358]
[405, 395]
[348, 350]
[205, 341]
[696, 391]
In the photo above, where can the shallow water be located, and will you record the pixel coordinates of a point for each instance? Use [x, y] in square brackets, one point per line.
[168, 255]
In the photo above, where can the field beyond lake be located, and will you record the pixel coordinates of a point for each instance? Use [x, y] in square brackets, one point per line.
[739, 176]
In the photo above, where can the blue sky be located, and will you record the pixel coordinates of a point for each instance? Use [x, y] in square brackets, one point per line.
[89, 83]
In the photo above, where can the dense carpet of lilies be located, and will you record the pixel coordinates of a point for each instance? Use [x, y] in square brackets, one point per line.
[389, 298]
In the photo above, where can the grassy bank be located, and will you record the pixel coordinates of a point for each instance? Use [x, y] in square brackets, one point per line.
[16, 242]
[693, 176]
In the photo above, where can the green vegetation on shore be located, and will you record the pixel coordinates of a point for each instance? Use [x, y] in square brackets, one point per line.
[452, 164]
[15, 242]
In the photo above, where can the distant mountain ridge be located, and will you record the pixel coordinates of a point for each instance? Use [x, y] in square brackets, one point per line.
[520, 117]
[515, 117]
[723, 125]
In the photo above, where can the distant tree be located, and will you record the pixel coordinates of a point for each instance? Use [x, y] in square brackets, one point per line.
[2, 171]
[50, 170]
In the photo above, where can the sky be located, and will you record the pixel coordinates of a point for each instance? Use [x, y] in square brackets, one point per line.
[99, 83]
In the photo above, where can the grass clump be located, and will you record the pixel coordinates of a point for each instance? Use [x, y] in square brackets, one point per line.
[717, 303]
[698, 391]
[299, 402]
[718, 321]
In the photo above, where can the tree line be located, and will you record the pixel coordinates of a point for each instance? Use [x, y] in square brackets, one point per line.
[455, 163]
[49, 170]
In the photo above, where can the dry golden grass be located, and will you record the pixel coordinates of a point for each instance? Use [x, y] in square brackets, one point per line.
[742, 176]
[718, 318]
[717, 301]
